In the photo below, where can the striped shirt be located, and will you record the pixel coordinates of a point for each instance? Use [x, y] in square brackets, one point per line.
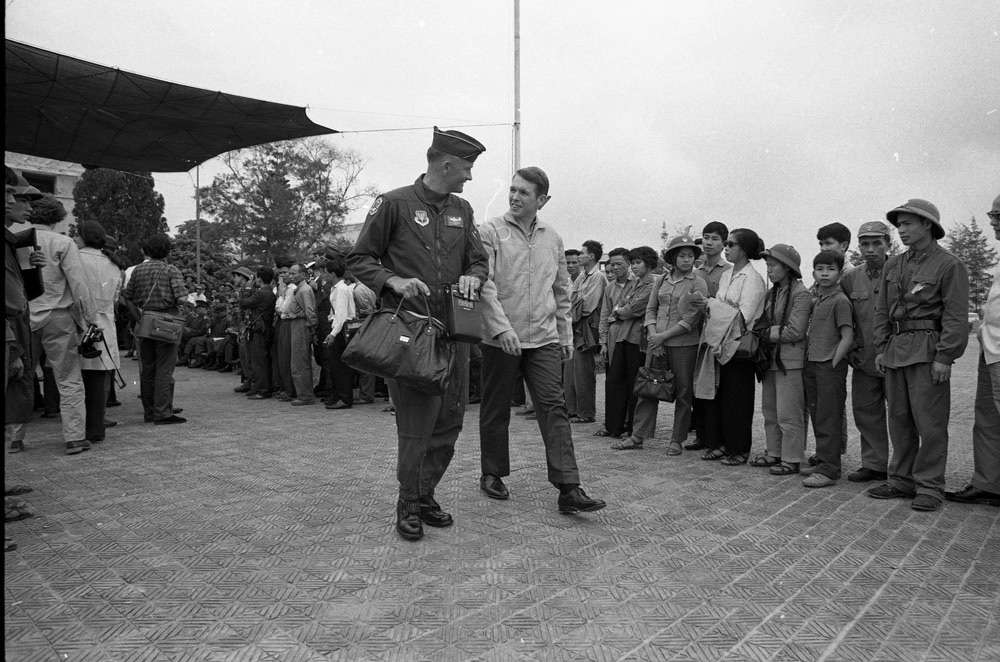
[156, 285]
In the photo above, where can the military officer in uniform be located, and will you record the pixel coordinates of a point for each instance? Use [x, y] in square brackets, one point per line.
[921, 328]
[416, 240]
[862, 286]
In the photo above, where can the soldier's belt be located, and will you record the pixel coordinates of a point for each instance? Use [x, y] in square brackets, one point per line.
[915, 325]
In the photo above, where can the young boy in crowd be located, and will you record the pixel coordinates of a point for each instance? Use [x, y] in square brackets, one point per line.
[831, 333]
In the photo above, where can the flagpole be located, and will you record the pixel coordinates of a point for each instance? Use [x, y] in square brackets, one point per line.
[517, 84]
[197, 223]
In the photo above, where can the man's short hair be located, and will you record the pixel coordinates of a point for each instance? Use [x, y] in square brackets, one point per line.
[302, 267]
[594, 248]
[435, 156]
[336, 265]
[283, 262]
[156, 246]
[573, 251]
[618, 251]
[266, 275]
[837, 231]
[645, 253]
[535, 176]
[47, 211]
[829, 257]
[717, 227]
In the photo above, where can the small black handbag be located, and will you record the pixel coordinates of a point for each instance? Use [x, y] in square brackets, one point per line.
[399, 344]
[654, 383]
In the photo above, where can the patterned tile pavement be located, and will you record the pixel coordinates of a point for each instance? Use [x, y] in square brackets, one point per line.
[262, 532]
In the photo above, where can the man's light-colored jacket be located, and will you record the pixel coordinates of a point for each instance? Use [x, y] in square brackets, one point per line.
[528, 286]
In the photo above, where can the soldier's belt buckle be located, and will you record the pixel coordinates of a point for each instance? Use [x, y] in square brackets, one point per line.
[896, 328]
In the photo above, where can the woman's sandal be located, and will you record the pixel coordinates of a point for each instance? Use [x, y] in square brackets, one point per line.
[15, 509]
[785, 469]
[629, 444]
[674, 448]
[765, 461]
[713, 454]
[735, 460]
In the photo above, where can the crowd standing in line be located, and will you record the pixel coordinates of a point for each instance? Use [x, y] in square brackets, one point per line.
[549, 313]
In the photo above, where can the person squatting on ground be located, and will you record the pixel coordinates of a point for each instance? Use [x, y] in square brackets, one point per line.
[673, 327]
[526, 324]
[921, 328]
[415, 240]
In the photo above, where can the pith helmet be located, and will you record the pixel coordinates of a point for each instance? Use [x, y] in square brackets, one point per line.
[787, 255]
[677, 243]
[920, 208]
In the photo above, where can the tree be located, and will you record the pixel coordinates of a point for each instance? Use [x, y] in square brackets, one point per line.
[216, 265]
[968, 243]
[895, 248]
[125, 203]
[284, 198]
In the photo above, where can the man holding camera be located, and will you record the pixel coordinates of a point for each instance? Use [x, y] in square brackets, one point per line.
[59, 315]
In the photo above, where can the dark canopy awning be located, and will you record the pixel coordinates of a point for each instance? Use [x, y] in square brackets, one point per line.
[63, 108]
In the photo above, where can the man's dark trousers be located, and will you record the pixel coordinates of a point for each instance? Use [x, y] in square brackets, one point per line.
[619, 402]
[259, 348]
[826, 398]
[542, 370]
[284, 357]
[156, 377]
[95, 397]
[341, 376]
[300, 339]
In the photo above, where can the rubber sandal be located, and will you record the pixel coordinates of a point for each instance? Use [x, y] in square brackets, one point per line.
[14, 490]
[765, 461]
[16, 510]
[785, 469]
[713, 454]
[630, 444]
[674, 448]
[735, 460]
[9, 545]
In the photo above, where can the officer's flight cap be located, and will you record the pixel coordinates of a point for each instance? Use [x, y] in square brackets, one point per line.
[457, 144]
[920, 208]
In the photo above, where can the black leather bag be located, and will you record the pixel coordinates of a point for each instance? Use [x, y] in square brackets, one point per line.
[654, 383]
[399, 344]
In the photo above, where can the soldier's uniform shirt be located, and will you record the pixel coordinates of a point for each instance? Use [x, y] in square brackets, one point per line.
[713, 275]
[863, 286]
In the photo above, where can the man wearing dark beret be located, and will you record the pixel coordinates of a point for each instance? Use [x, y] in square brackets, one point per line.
[416, 240]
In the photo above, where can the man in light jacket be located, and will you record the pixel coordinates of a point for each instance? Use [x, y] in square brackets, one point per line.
[526, 324]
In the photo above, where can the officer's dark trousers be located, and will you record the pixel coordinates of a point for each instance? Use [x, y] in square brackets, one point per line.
[619, 403]
[284, 357]
[428, 426]
[729, 417]
[918, 428]
[95, 398]
[826, 397]
[156, 377]
[259, 349]
[868, 403]
[341, 376]
[542, 370]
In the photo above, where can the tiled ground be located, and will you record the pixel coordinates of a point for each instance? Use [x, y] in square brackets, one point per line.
[263, 532]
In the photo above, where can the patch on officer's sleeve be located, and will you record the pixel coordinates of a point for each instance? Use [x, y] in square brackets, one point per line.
[375, 206]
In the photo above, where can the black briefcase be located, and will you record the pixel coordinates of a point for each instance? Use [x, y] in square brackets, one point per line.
[463, 317]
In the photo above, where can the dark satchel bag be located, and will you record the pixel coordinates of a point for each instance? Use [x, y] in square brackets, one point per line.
[654, 383]
[465, 319]
[161, 327]
[399, 344]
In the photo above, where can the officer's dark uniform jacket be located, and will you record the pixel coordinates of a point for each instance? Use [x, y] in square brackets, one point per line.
[921, 315]
[258, 305]
[413, 232]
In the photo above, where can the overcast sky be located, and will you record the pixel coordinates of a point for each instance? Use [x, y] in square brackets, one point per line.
[780, 116]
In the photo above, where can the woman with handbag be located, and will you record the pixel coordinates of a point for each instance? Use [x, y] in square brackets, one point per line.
[783, 401]
[673, 331]
[729, 417]
[157, 288]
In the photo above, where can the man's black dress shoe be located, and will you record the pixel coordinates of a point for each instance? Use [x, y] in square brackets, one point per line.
[110, 424]
[864, 475]
[494, 487]
[408, 522]
[695, 445]
[113, 403]
[974, 495]
[431, 513]
[242, 388]
[576, 500]
[170, 420]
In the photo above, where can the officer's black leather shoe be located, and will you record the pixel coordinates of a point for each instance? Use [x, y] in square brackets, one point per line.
[974, 495]
[864, 475]
[431, 513]
[494, 487]
[575, 500]
[408, 521]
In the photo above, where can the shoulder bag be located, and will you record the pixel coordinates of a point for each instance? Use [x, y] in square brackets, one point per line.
[399, 344]
[158, 325]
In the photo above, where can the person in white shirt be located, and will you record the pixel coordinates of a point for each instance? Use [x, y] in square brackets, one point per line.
[342, 310]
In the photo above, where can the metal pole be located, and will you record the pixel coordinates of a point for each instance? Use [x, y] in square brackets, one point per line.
[517, 84]
[197, 223]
